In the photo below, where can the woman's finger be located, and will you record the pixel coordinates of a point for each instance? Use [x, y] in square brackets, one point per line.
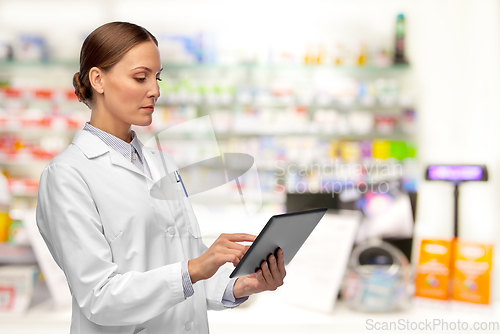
[231, 241]
[236, 253]
[273, 266]
[232, 257]
[254, 275]
[260, 277]
[281, 263]
[223, 255]
[239, 237]
[267, 275]
[236, 246]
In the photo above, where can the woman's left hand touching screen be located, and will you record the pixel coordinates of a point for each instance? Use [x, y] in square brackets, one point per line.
[225, 249]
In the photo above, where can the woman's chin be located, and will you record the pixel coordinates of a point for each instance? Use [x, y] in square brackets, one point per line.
[144, 122]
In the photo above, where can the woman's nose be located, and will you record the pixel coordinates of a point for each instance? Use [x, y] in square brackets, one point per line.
[155, 91]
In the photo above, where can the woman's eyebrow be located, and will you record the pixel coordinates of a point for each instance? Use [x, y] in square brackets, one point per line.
[147, 69]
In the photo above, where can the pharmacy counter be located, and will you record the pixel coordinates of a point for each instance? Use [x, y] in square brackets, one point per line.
[267, 313]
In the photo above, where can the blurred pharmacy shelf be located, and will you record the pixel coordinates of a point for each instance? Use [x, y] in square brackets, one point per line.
[284, 115]
[201, 66]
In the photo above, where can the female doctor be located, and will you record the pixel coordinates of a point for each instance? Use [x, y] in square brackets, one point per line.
[134, 263]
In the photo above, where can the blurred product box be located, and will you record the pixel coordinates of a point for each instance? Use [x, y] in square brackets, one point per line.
[31, 47]
[4, 226]
[16, 254]
[433, 269]
[471, 273]
[17, 284]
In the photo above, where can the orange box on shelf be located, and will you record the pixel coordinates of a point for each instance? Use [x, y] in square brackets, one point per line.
[44, 122]
[72, 123]
[41, 154]
[29, 122]
[471, 274]
[433, 270]
[13, 93]
[70, 95]
[43, 94]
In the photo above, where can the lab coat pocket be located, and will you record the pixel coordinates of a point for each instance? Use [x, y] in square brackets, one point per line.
[192, 223]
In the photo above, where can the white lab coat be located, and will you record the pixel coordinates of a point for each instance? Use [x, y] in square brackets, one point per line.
[120, 248]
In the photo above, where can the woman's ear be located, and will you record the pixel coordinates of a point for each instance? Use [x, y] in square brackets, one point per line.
[96, 79]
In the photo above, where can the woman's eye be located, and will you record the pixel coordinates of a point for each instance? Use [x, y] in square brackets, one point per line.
[140, 79]
[159, 79]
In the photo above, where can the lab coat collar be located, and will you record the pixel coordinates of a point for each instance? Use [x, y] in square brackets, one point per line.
[93, 147]
[90, 145]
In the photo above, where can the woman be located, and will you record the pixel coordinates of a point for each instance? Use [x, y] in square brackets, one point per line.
[134, 263]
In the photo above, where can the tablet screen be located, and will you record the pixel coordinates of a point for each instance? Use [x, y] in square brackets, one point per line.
[287, 231]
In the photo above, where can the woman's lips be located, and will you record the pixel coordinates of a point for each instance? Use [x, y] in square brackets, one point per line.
[149, 108]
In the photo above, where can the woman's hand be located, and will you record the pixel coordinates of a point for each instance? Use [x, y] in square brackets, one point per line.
[224, 249]
[269, 277]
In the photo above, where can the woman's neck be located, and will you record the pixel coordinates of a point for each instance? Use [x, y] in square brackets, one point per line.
[106, 123]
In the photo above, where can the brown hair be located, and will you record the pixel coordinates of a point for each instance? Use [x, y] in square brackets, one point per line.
[103, 48]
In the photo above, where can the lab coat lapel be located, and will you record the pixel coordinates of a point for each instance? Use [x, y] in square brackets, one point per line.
[93, 147]
[119, 160]
[161, 172]
[149, 155]
[163, 184]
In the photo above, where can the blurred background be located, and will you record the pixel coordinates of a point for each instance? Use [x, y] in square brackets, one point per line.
[342, 104]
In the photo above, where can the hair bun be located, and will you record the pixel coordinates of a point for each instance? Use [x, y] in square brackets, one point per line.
[79, 90]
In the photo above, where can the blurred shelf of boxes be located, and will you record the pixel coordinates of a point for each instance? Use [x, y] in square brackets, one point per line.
[281, 114]
[289, 116]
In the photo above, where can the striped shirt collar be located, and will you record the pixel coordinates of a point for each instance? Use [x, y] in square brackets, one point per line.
[122, 147]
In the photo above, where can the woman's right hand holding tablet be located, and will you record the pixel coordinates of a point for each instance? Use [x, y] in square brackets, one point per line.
[225, 249]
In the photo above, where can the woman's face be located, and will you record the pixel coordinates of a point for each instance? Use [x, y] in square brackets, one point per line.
[130, 87]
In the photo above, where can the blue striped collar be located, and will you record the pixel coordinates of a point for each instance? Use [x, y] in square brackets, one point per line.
[124, 148]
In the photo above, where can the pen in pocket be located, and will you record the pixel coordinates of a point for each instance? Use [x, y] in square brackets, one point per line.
[179, 179]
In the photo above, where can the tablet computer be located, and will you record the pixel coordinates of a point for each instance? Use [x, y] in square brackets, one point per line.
[287, 231]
